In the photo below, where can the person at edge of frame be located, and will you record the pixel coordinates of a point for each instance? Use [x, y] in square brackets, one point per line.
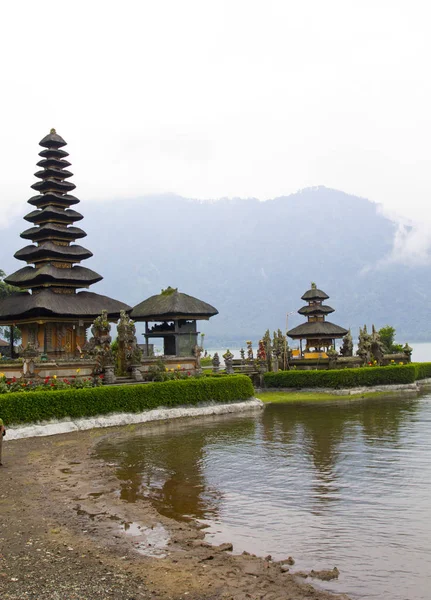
[2, 433]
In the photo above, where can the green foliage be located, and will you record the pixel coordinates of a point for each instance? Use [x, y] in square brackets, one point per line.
[207, 361]
[423, 370]
[169, 291]
[159, 372]
[342, 378]
[387, 337]
[20, 407]
[49, 384]
[7, 290]
[5, 331]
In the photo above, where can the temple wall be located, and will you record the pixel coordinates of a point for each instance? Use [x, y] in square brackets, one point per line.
[186, 343]
[66, 369]
[188, 363]
[61, 338]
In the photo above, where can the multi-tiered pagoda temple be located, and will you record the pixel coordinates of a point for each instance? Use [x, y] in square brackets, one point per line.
[52, 315]
[318, 333]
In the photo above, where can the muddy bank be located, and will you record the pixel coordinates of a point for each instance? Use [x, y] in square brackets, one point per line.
[65, 534]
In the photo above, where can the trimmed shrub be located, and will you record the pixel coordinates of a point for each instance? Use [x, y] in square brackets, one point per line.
[423, 370]
[342, 378]
[21, 407]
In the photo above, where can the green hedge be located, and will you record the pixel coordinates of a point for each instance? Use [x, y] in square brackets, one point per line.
[343, 378]
[423, 370]
[21, 407]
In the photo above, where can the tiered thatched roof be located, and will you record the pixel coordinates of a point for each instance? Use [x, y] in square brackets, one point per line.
[316, 328]
[51, 273]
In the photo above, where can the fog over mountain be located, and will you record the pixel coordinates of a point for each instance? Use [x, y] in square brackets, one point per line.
[253, 260]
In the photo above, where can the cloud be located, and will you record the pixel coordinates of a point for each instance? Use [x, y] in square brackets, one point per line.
[411, 244]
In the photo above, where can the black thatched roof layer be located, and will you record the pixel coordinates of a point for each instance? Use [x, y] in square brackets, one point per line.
[318, 329]
[172, 305]
[77, 276]
[83, 305]
[52, 140]
[53, 198]
[53, 231]
[53, 161]
[53, 213]
[47, 250]
[53, 153]
[53, 185]
[54, 172]
[314, 294]
[316, 309]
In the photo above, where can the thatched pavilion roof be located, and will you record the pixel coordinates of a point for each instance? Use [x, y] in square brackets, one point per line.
[172, 305]
[317, 330]
[319, 309]
[315, 294]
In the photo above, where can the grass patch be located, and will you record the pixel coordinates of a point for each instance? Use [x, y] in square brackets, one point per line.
[286, 397]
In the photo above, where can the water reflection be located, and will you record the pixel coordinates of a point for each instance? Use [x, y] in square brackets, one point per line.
[328, 434]
[166, 462]
[344, 483]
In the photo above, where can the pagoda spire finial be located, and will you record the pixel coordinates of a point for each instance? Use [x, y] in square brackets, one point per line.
[52, 131]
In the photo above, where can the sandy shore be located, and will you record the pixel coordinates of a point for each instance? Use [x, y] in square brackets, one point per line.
[65, 534]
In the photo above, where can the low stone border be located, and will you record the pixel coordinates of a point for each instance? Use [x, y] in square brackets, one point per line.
[118, 419]
[399, 387]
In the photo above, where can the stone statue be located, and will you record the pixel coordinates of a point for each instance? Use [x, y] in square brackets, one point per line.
[408, 351]
[377, 346]
[197, 351]
[99, 346]
[267, 348]
[347, 347]
[216, 363]
[228, 361]
[129, 355]
[242, 354]
[364, 345]
[29, 355]
[261, 353]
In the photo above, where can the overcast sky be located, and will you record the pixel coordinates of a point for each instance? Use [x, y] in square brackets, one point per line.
[221, 98]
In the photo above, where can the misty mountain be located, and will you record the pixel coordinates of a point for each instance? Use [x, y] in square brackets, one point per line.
[253, 260]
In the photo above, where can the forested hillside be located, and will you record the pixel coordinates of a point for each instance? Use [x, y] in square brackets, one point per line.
[253, 260]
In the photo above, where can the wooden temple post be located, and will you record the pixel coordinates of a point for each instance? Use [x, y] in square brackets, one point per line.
[11, 341]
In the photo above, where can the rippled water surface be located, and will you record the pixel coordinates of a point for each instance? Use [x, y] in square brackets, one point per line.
[344, 484]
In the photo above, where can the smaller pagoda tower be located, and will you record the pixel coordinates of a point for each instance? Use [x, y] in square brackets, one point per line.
[318, 333]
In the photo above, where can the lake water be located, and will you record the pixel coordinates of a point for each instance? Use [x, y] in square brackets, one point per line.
[344, 484]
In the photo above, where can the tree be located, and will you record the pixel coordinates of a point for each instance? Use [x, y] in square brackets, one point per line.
[7, 290]
[387, 337]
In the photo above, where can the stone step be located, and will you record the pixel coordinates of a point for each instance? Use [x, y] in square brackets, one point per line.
[125, 381]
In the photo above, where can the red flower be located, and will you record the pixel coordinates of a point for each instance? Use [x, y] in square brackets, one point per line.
[188, 373]
[52, 385]
[101, 376]
[13, 379]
